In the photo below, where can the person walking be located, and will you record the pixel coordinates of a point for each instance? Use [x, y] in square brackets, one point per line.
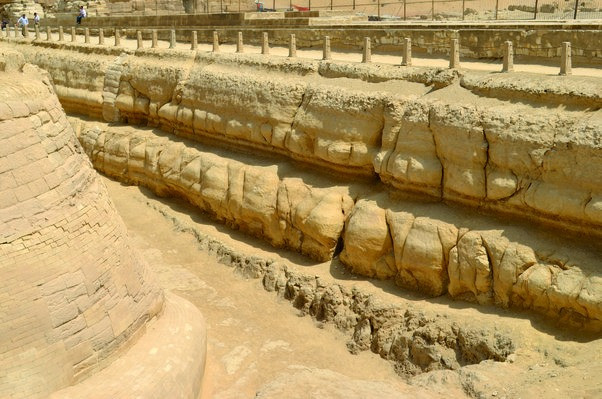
[36, 19]
[82, 14]
[23, 22]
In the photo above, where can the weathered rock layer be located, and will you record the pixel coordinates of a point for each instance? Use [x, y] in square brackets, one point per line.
[454, 137]
[541, 162]
[383, 237]
[284, 210]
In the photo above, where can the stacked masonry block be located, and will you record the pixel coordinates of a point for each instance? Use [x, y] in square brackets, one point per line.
[73, 293]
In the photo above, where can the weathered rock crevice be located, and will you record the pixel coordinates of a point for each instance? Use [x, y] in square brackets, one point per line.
[414, 341]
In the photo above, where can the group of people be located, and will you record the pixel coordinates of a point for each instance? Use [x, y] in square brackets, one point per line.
[23, 22]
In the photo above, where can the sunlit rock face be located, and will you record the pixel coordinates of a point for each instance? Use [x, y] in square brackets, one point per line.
[12, 10]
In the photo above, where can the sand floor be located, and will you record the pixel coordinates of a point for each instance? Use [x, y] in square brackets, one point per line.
[253, 336]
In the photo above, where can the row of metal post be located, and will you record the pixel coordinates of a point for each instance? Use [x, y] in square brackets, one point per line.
[454, 60]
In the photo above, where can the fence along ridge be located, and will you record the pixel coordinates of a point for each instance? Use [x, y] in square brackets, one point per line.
[454, 46]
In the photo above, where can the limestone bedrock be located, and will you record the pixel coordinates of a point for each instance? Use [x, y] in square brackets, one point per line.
[482, 140]
[428, 247]
[452, 135]
[74, 294]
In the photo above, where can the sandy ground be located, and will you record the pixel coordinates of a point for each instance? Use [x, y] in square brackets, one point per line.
[254, 337]
[523, 64]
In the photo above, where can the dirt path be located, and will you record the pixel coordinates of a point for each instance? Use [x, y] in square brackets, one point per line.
[253, 337]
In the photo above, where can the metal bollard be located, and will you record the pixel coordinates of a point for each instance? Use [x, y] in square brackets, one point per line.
[48, 34]
[61, 34]
[154, 39]
[73, 35]
[117, 37]
[292, 46]
[239, 44]
[101, 37]
[172, 38]
[367, 53]
[194, 41]
[508, 65]
[215, 42]
[566, 67]
[265, 44]
[139, 43]
[326, 54]
[37, 29]
[454, 55]
[87, 35]
[406, 59]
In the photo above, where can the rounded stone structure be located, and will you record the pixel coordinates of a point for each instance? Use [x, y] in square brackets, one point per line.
[74, 295]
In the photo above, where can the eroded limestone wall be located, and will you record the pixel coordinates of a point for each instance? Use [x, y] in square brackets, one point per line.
[258, 199]
[491, 263]
[425, 247]
[452, 136]
[541, 162]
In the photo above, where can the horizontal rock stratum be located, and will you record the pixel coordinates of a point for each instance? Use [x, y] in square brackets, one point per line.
[76, 300]
[426, 130]
[425, 246]
[502, 144]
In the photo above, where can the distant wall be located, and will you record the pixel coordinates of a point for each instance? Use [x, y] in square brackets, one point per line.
[476, 40]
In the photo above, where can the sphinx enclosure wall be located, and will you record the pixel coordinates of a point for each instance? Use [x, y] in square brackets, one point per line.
[375, 133]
